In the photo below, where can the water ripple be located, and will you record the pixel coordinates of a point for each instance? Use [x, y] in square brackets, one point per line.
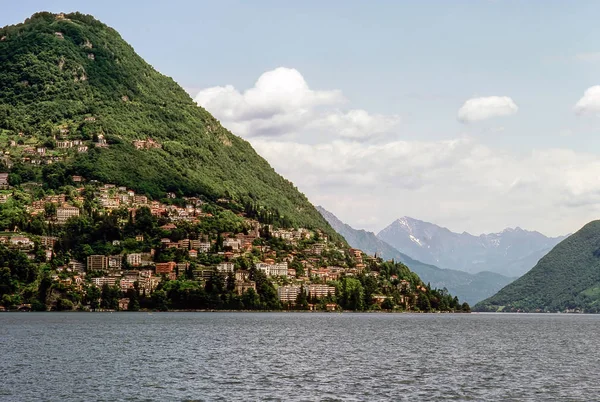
[298, 357]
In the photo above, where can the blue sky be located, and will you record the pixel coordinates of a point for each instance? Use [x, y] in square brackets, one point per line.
[408, 67]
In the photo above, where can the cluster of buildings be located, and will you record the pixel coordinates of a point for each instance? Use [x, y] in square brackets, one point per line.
[111, 197]
[107, 198]
[63, 145]
[125, 270]
[142, 268]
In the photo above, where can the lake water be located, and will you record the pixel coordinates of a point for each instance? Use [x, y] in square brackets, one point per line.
[293, 356]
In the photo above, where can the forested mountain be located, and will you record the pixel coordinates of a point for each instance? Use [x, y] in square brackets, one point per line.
[566, 279]
[469, 287]
[511, 252]
[118, 192]
[75, 99]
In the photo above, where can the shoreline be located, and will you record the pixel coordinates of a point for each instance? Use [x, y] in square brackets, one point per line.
[245, 311]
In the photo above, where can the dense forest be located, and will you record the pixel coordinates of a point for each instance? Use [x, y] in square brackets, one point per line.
[72, 78]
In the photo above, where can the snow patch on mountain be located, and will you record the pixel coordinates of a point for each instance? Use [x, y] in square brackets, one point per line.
[413, 238]
[511, 252]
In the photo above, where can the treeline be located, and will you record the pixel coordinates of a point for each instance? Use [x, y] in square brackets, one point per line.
[567, 278]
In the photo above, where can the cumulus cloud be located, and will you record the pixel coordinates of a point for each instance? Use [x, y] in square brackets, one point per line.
[458, 183]
[590, 102]
[355, 124]
[354, 163]
[281, 103]
[477, 109]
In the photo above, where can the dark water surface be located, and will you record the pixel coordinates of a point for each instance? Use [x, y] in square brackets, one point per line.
[287, 356]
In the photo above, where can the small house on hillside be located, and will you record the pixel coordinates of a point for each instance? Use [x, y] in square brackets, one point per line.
[3, 180]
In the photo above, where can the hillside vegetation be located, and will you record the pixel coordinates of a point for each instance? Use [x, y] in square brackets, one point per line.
[566, 279]
[71, 85]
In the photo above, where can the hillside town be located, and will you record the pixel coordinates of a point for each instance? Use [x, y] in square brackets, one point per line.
[144, 247]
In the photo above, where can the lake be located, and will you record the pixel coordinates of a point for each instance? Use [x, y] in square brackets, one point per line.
[298, 356]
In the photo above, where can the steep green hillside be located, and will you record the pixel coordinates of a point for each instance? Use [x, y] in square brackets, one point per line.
[68, 82]
[567, 278]
[471, 288]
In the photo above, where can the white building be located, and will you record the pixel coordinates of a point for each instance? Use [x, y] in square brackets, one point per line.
[235, 244]
[288, 293]
[109, 280]
[318, 290]
[225, 267]
[115, 261]
[65, 212]
[134, 259]
[282, 234]
[21, 242]
[200, 246]
[279, 269]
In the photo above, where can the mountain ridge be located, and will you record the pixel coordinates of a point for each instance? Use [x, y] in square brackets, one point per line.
[469, 287]
[567, 279]
[510, 252]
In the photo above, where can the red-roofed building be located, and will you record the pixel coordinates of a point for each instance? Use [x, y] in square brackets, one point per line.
[165, 267]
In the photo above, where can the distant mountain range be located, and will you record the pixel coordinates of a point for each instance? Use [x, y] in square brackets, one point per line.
[566, 279]
[511, 252]
[469, 287]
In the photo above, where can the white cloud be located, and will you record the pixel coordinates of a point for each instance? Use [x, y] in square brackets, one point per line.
[355, 124]
[477, 109]
[590, 102]
[458, 183]
[281, 104]
[590, 57]
[353, 162]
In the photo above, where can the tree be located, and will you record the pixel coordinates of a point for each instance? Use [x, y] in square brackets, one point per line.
[230, 282]
[6, 283]
[265, 289]
[63, 304]
[110, 297]
[388, 304]
[301, 300]
[145, 222]
[92, 296]
[352, 294]
[134, 304]
[370, 287]
[159, 300]
[251, 300]
[37, 305]
[423, 303]
[54, 175]
[50, 209]
[134, 297]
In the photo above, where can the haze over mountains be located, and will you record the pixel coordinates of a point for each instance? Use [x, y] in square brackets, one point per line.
[511, 252]
[469, 287]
